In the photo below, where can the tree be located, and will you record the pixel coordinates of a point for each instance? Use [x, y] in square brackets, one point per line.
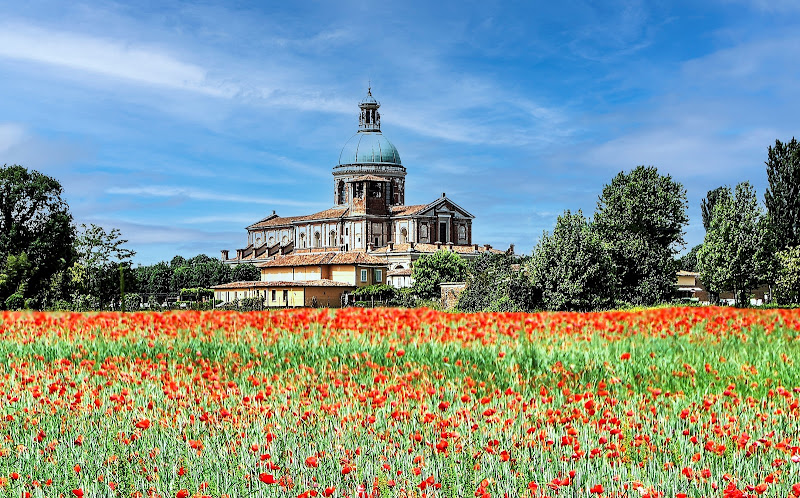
[430, 270]
[15, 275]
[100, 255]
[245, 272]
[35, 221]
[782, 197]
[177, 261]
[688, 262]
[572, 266]
[735, 255]
[707, 205]
[787, 286]
[641, 217]
[498, 282]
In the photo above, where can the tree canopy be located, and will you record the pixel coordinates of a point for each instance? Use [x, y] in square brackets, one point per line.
[34, 222]
[201, 271]
[640, 218]
[245, 272]
[497, 282]
[99, 257]
[430, 270]
[736, 252]
[787, 286]
[572, 267]
[782, 197]
[707, 204]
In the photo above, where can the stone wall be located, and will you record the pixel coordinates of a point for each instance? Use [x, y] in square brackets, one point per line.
[450, 292]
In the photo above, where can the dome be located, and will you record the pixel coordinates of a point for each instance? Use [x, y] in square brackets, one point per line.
[369, 147]
[369, 99]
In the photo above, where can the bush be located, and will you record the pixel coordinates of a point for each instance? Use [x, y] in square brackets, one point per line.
[133, 302]
[377, 292]
[196, 294]
[404, 298]
[15, 302]
[246, 304]
[85, 302]
[62, 305]
[504, 304]
[498, 282]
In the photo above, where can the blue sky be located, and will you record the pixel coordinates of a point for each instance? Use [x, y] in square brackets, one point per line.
[182, 123]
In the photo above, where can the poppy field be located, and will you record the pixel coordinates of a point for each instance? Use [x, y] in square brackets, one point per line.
[675, 402]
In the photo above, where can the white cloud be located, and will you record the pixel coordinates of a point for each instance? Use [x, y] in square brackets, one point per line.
[109, 57]
[202, 195]
[11, 134]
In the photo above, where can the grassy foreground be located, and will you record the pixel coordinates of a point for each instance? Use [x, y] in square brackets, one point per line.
[677, 402]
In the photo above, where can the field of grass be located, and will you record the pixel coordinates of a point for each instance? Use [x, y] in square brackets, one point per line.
[676, 402]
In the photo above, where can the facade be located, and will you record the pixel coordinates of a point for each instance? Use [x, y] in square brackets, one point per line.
[311, 279]
[368, 215]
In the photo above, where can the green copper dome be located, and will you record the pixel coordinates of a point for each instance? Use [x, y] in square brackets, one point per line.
[369, 147]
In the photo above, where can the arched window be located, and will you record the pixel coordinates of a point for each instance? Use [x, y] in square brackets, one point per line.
[303, 240]
[340, 193]
[284, 239]
[271, 241]
[403, 236]
[332, 239]
[317, 242]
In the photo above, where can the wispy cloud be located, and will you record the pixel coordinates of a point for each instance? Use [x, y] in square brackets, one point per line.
[109, 57]
[10, 134]
[204, 195]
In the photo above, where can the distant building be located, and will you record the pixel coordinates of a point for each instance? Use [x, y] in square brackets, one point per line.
[316, 279]
[368, 215]
[689, 287]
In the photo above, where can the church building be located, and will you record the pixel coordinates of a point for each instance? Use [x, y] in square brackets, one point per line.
[368, 212]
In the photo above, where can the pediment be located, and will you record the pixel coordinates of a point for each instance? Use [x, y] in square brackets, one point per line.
[445, 206]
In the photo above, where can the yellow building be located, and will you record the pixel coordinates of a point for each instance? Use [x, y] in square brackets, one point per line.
[288, 294]
[310, 279]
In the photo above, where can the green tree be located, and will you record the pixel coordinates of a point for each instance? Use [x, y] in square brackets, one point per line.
[15, 275]
[707, 205]
[34, 220]
[735, 255]
[688, 262]
[430, 270]
[100, 255]
[498, 282]
[782, 197]
[641, 217]
[177, 261]
[245, 272]
[209, 273]
[153, 280]
[182, 278]
[572, 266]
[787, 286]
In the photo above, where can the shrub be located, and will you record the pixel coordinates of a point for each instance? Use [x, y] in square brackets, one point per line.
[15, 302]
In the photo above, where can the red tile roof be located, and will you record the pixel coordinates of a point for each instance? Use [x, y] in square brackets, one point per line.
[334, 212]
[272, 221]
[407, 210]
[324, 258]
[296, 283]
